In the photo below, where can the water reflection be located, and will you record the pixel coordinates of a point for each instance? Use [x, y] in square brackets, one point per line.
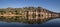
[21, 19]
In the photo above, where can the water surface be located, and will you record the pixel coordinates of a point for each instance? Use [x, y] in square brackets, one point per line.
[50, 23]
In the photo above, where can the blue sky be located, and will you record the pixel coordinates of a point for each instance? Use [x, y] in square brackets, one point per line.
[52, 5]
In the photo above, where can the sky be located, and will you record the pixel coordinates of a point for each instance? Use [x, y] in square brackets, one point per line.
[52, 5]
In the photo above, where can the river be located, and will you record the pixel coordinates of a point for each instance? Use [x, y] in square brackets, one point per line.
[50, 23]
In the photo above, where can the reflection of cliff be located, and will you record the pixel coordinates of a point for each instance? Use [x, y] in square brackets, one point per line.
[27, 15]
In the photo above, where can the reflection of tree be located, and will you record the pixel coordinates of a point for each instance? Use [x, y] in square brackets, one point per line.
[34, 15]
[22, 19]
[2, 18]
[18, 19]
